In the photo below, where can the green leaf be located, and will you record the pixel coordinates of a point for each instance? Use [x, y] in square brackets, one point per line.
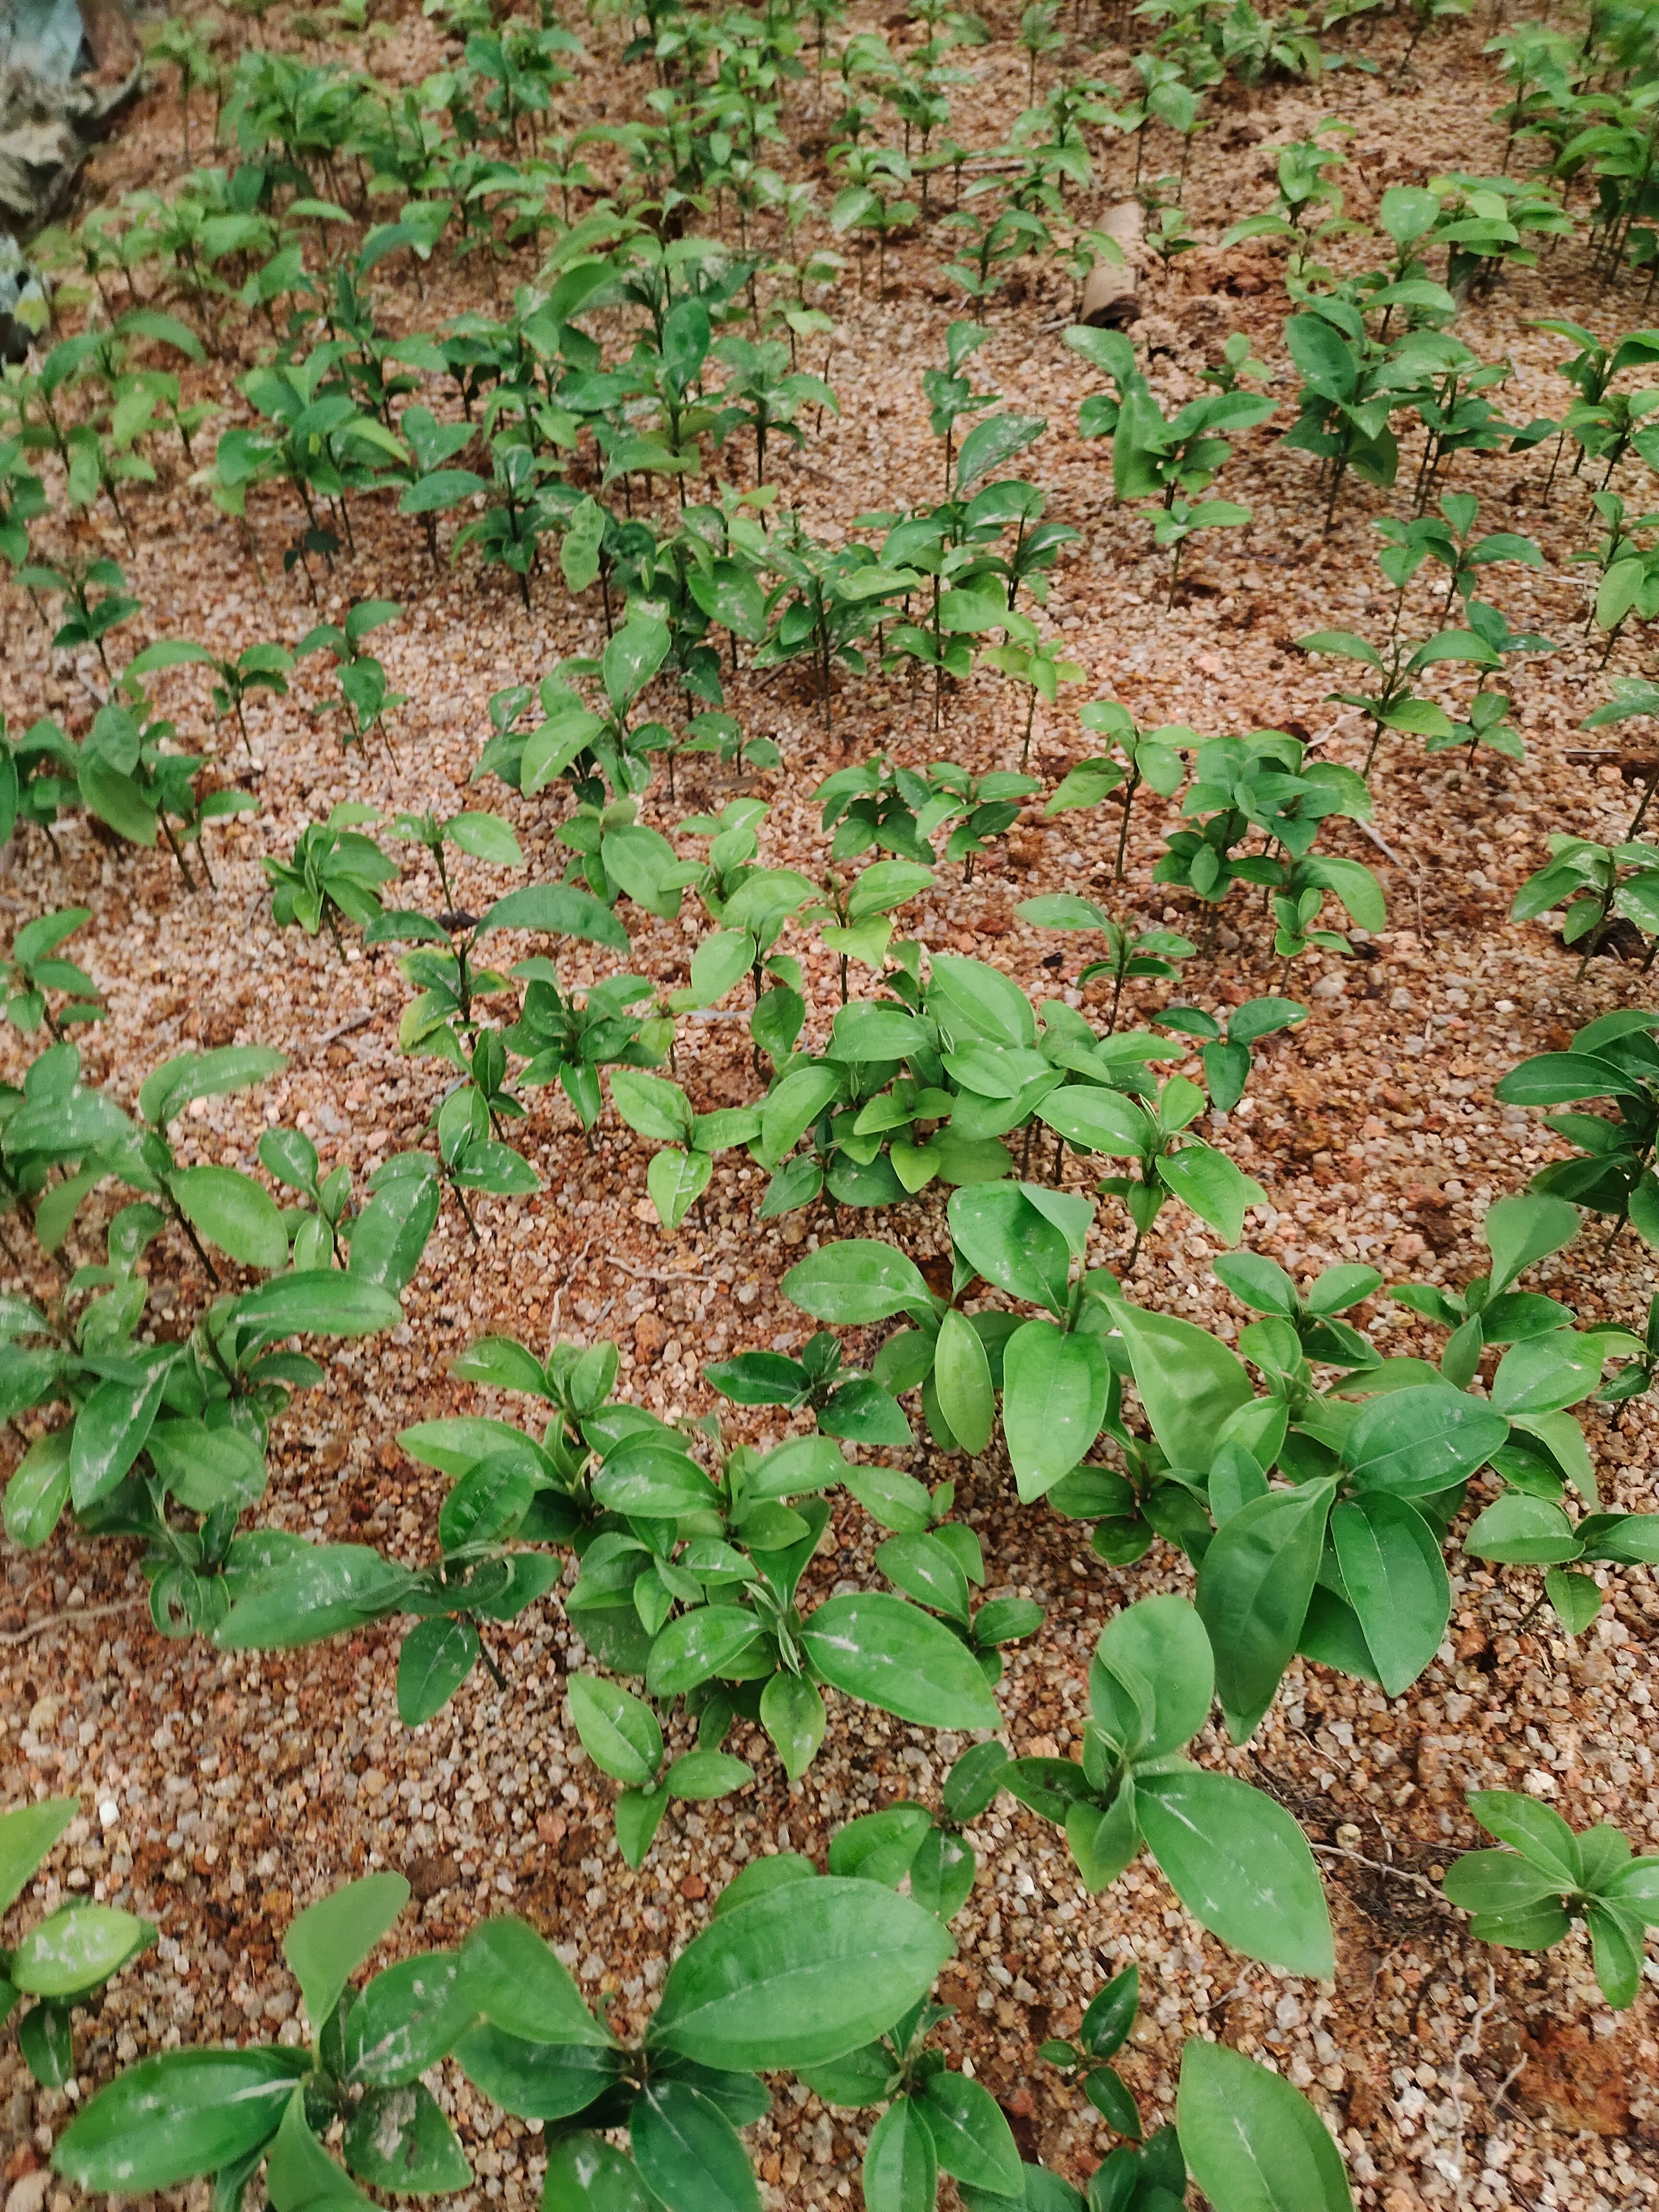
[880, 1846]
[893, 1655]
[1253, 1585]
[698, 1645]
[1616, 1948]
[619, 1731]
[181, 2114]
[311, 1593]
[1418, 1441]
[675, 1180]
[557, 911]
[700, 1775]
[1054, 1391]
[399, 2139]
[1188, 1383]
[109, 1434]
[1216, 1187]
[1576, 1599]
[974, 2142]
[512, 1977]
[326, 1943]
[75, 1949]
[1240, 1864]
[1518, 1530]
[536, 2081]
[688, 2153]
[585, 2173]
[858, 1281]
[25, 1837]
[901, 2165]
[1397, 1582]
[792, 1713]
[1250, 2141]
[1159, 1643]
[1097, 1120]
[1497, 1881]
[1521, 1230]
[318, 1302]
[232, 1211]
[1535, 1830]
[1012, 1242]
[800, 1975]
[167, 1090]
[992, 442]
[408, 2017]
[36, 1495]
[436, 1658]
[299, 2172]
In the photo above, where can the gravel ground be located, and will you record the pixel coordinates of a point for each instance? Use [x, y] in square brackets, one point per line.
[222, 1793]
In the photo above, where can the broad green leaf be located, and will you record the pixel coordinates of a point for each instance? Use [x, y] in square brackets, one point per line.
[792, 1713]
[1162, 1643]
[1253, 1585]
[184, 2113]
[688, 2151]
[858, 1281]
[436, 1658]
[312, 1592]
[1054, 1391]
[1097, 1120]
[167, 1090]
[25, 1837]
[329, 1941]
[512, 1977]
[1189, 1383]
[894, 1655]
[1524, 1229]
[698, 1645]
[1241, 1865]
[585, 2173]
[318, 1302]
[1418, 1441]
[75, 1949]
[800, 1975]
[536, 2081]
[1397, 1582]
[901, 2165]
[406, 2018]
[1497, 1881]
[399, 2140]
[1250, 2141]
[232, 1211]
[299, 2172]
[35, 1497]
[619, 1732]
[1537, 1831]
[974, 2142]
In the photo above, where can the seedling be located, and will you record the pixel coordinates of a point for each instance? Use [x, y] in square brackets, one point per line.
[64, 1959]
[1528, 1895]
[1147, 953]
[365, 699]
[1105, 2029]
[334, 870]
[33, 975]
[1213, 1835]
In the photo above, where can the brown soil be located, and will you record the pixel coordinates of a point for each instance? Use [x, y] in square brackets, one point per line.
[222, 1793]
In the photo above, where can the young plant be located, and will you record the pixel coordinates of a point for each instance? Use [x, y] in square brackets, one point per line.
[1596, 886]
[1527, 1896]
[931, 1848]
[63, 1960]
[1104, 2030]
[1153, 757]
[1225, 1050]
[623, 1737]
[33, 975]
[1613, 1057]
[680, 1173]
[1137, 956]
[366, 698]
[333, 870]
[1235, 1858]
